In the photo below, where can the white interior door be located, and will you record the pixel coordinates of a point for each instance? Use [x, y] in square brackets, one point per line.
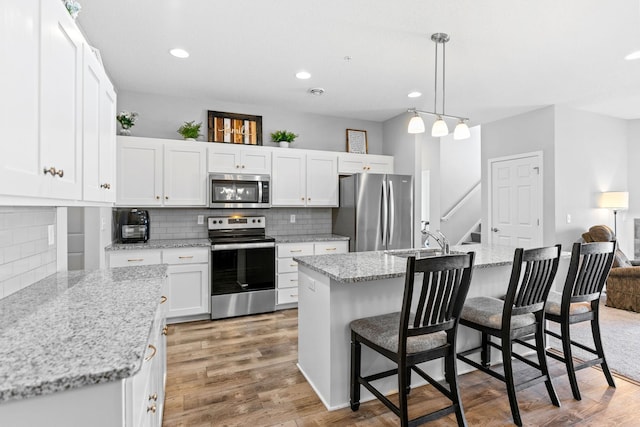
[516, 201]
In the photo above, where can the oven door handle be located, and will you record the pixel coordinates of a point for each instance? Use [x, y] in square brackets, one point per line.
[233, 246]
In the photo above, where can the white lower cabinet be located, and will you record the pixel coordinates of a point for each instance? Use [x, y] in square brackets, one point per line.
[287, 268]
[187, 284]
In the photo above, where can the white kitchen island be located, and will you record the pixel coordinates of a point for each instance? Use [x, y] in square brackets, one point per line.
[336, 289]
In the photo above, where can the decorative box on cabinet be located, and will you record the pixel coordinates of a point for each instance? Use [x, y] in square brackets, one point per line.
[350, 163]
[287, 268]
[304, 178]
[156, 172]
[237, 158]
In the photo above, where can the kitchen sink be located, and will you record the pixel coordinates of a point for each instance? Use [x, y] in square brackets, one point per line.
[418, 252]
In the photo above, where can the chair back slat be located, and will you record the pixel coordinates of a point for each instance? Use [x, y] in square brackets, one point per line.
[440, 292]
[588, 271]
[531, 279]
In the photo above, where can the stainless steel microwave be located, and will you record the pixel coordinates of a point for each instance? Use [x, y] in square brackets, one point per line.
[239, 191]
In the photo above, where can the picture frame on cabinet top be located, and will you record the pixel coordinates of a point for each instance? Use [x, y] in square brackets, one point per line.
[234, 128]
[357, 141]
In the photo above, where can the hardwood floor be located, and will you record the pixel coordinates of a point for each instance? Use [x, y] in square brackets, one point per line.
[242, 372]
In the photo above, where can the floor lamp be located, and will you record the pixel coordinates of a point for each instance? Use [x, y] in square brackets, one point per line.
[615, 200]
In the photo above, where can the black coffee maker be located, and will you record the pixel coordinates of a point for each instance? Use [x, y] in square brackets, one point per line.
[133, 225]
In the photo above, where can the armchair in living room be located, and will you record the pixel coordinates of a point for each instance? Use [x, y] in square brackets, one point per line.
[623, 284]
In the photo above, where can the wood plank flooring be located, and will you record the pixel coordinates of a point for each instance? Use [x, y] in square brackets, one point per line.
[242, 372]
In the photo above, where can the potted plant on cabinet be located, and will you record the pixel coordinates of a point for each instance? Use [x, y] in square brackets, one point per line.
[283, 137]
[127, 120]
[190, 131]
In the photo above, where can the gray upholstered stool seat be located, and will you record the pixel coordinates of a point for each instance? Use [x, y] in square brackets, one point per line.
[383, 331]
[554, 302]
[487, 311]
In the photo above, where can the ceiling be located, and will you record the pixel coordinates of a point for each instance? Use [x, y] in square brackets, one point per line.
[505, 56]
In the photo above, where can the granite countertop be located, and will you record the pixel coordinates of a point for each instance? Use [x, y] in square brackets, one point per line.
[367, 266]
[77, 328]
[300, 238]
[160, 244]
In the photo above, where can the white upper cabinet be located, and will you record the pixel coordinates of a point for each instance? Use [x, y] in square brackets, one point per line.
[20, 169]
[232, 158]
[157, 172]
[350, 163]
[60, 102]
[185, 174]
[98, 131]
[304, 178]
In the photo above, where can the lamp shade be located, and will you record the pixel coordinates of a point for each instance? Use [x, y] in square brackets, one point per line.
[439, 128]
[614, 200]
[416, 125]
[461, 131]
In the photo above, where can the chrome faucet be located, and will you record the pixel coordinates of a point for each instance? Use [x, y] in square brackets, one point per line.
[440, 239]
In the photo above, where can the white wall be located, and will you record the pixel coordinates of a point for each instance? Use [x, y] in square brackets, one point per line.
[407, 151]
[590, 157]
[160, 117]
[524, 133]
[97, 235]
[460, 163]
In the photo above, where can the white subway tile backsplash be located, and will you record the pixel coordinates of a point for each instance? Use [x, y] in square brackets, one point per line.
[25, 255]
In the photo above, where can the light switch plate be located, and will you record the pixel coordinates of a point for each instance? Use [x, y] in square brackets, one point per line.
[292, 219]
[51, 233]
[200, 219]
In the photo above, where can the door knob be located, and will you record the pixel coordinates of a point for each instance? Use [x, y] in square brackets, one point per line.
[495, 229]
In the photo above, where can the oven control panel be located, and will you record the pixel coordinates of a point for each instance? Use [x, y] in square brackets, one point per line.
[235, 222]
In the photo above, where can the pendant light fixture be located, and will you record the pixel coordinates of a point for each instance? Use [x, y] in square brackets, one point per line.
[439, 128]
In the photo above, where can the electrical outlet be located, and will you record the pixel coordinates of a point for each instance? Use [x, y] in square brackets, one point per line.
[103, 224]
[200, 219]
[292, 219]
[568, 218]
[51, 233]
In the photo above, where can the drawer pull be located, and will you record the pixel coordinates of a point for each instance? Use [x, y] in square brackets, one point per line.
[295, 250]
[293, 280]
[330, 249]
[185, 257]
[153, 397]
[293, 295]
[163, 299]
[152, 408]
[165, 330]
[135, 259]
[154, 349]
[293, 265]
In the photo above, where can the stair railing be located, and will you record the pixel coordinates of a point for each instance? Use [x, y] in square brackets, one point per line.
[462, 202]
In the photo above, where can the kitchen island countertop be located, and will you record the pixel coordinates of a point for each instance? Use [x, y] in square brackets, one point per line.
[301, 238]
[78, 328]
[366, 266]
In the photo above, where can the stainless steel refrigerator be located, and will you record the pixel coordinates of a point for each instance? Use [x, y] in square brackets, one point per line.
[376, 212]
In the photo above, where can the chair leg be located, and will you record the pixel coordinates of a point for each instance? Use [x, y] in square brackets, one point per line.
[508, 376]
[451, 374]
[356, 350]
[408, 388]
[595, 330]
[402, 397]
[485, 353]
[542, 361]
[568, 359]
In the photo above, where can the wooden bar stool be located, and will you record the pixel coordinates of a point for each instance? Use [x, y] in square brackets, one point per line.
[521, 314]
[424, 330]
[580, 302]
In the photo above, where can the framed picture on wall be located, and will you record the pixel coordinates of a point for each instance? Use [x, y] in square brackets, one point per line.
[357, 141]
[233, 128]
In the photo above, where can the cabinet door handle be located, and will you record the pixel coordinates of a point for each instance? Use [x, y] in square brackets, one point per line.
[106, 186]
[135, 259]
[302, 198]
[152, 408]
[154, 351]
[293, 295]
[60, 173]
[157, 197]
[153, 397]
[166, 197]
[53, 171]
[242, 166]
[163, 299]
[330, 249]
[165, 330]
[185, 257]
[237, 166]
[309, 198]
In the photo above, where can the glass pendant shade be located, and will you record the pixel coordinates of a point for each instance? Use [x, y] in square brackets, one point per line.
[439, 128]
[416, 125]
[461, 131]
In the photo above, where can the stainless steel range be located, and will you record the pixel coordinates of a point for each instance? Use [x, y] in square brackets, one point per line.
[242, 266]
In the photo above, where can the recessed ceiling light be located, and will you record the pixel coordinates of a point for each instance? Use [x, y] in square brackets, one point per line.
[303, 75]
[414, 95]
[633, 55]
[179, 53]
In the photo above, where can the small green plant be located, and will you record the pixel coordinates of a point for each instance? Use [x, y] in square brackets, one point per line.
[190, 129]
[283, 135]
